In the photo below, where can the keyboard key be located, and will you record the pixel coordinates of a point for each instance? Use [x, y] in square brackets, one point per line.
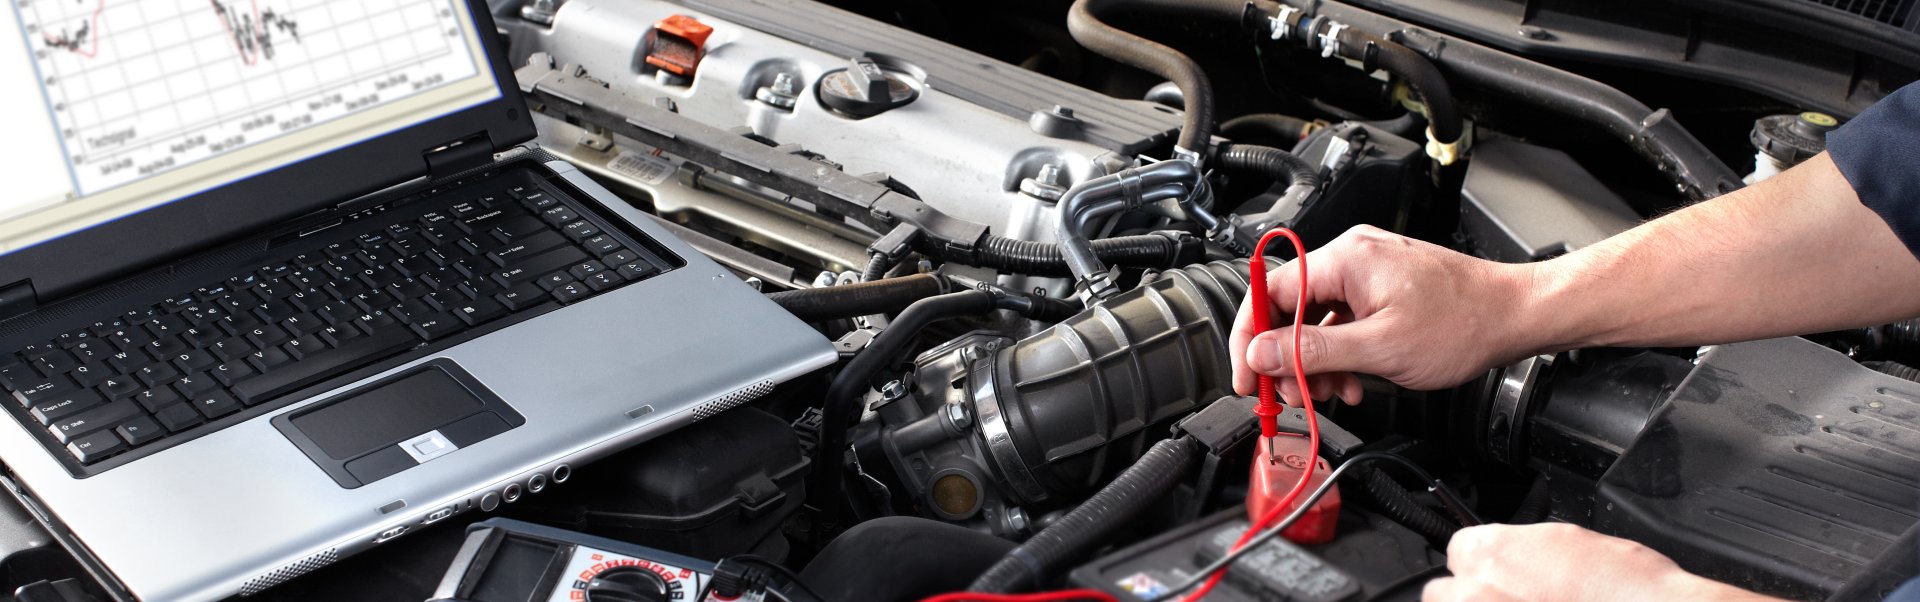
[375, 321]
[67, 429]
[533, 267]
[371, 239]
[214, 404]
[570, 292]
[586, 268]
[409, 288]
[68, 340]
[55, 362]
[61, 406]
[167, 326]
[194, 384]
[231, 349]
[304, 346]
[558, 214]
[602, 245]
[604, 280]
[178, 417]
[513, 230]
[16, 375]
[479, 288]
[90, 374]
[479, 310]
[119, 386]
[195, 360]
[275, 311]
[96, 447]
[580, 230]
[620, 257]
[200, 337]
[320, 366]
[139, 431]
[238, 324]
[157, 374]
[340, 335]
[266, 359]
[521, 296]
[231, 372]
[124, 362]
[635, 270]
[302, 324]
[526, 247]
[554, 280]
[373, 300]
[39, 389]
[307, 260]
[90, 351]
[435, 326]
[267, 336]
[167, 347]
[154, 399]
[310, 299]
[337, 312]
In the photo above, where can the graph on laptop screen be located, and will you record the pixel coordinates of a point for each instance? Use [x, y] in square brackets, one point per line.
[146, 101]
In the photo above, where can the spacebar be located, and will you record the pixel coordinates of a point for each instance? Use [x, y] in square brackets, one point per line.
[320, 366]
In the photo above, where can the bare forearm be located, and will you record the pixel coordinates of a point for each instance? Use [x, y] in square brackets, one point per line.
[1793, 255]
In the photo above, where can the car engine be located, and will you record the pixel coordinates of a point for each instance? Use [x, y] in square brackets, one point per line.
[1027, 226]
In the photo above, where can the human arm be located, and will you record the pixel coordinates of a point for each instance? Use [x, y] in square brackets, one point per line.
[1557, 562]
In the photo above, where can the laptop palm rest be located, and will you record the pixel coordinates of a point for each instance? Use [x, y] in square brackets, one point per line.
[382, 428]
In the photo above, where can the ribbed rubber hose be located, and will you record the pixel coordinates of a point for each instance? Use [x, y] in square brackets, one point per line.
[1046, 259]
[1282, 165]
[1085, 24]
[850, 385]
[1391, 499]
[858, 299]
[1138, 487]
[1895, 369]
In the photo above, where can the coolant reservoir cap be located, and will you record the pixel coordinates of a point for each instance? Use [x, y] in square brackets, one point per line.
[864, 89]
[1791, 139]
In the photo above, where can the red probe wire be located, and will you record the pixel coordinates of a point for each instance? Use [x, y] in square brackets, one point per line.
[1268, 409]
[1269, 406]
[1070, 594]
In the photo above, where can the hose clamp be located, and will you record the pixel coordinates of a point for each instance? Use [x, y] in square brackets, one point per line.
[1187, 155]
[1280, 19]
[1330, 39]
[1131, 187]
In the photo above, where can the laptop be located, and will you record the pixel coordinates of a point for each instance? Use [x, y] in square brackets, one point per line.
[281, 281]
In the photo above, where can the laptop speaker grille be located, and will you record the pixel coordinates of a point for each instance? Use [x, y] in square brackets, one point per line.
[731, 400]
[285, 573]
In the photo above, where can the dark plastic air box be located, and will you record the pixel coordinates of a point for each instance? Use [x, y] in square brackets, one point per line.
[716, 488]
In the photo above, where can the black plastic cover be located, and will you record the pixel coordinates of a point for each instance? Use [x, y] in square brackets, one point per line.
[712, 489]
[1779, 466]
[1525, 203]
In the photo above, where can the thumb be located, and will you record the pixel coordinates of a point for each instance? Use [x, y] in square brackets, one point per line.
[1337, 348]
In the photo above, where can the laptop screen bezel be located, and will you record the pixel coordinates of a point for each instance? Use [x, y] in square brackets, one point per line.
[142, 240]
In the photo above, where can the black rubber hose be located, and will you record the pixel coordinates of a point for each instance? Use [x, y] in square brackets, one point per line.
[1283, 127]
[1391, 499]
[1420, 74]
[1655, 135]
[1046, 259]
[850, 385]
[1895, 369]
[1085, 24]
[1282, 165]
[1136, 488]
[859, 299]
[1535, 506]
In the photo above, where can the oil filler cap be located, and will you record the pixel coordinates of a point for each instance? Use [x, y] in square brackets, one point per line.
[865, 89]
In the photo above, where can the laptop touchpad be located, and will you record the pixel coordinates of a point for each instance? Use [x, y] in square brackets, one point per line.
[382, 428]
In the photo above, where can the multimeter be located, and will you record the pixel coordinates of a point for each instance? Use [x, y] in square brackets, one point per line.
[506, 560]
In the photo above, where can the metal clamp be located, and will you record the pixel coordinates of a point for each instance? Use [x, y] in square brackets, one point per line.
[1330, 39]
[1185, 154]
[1281, 15]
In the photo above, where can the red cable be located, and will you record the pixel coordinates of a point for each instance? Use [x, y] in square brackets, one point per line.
[1070, 594]
[1268, 407]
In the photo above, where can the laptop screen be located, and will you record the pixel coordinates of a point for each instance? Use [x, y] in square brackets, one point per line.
[119, 106]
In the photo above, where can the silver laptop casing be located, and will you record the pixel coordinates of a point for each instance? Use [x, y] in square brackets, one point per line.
[242, 509]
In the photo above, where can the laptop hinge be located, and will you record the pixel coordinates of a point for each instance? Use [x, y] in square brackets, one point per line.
[17, 299]
[471, 152]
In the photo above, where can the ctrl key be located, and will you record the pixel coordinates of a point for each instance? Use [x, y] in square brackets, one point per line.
[93, 447]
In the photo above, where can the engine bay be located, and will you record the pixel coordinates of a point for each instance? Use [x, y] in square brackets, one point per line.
[1027, 229]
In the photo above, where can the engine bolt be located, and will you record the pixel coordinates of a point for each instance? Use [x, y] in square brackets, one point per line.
[958, 414]
[1017, 519]
[893, 390]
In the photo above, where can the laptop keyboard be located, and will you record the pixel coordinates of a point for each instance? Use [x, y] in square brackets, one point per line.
[172, 369]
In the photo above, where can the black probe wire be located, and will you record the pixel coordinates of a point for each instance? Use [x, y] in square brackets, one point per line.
[1439, 490]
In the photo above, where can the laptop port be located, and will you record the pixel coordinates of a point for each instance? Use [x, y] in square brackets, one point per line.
[511, 494]
[561, 473]
[537, 484]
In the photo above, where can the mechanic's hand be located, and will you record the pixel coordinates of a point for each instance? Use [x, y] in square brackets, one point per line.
[1555, 562]
[1417, 314]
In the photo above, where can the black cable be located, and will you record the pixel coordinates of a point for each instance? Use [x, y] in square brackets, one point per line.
[791, 590]
[1439, 490]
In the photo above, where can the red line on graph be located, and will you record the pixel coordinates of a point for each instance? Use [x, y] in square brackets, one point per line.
[93, 35]
[226, 20]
